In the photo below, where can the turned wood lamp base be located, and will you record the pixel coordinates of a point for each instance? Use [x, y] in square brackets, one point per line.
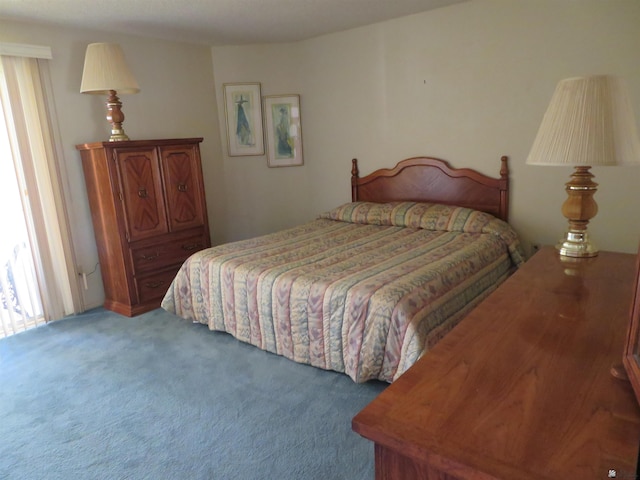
[579, 208]
[115, 116]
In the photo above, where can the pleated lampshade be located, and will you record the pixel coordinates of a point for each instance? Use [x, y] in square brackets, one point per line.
[589, 121]
[105, 69]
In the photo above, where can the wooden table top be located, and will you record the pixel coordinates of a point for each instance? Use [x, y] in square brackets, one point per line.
[521, 388]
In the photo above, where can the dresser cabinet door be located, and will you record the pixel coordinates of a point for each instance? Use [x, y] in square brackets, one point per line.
[142, 196]
[183, 186]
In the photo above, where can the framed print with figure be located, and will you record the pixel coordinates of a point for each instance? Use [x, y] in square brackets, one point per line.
[243, 114]
[283, 130]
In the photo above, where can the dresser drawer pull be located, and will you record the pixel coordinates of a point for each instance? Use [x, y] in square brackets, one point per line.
[142, 192]
[154, 284]
[152, 256]
[191, 246]
[182, 187]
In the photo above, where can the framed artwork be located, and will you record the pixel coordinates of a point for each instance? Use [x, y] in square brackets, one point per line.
[283, 130]
[243, 114]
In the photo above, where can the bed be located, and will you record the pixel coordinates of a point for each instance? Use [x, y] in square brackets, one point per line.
[369, 286]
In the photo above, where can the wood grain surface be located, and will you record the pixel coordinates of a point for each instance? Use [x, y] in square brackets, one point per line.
[521, 388]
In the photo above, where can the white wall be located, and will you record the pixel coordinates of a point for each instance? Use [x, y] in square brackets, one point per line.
[261, 199]
[177, 100]
[467, 83]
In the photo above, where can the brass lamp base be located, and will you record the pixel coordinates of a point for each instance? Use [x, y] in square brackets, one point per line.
[577, 245]
[579, 208]
[118, 136]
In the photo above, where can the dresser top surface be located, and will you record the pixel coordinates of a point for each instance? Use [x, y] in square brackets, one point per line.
[139, 143]
[521, 388]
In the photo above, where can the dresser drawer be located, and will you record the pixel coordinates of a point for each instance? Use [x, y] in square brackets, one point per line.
[161, 255]
[154, 286]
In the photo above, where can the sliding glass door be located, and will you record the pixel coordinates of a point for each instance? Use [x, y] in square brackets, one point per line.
[38, 269]
[20, 303]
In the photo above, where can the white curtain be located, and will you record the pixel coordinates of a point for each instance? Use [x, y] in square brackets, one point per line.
[29, 115]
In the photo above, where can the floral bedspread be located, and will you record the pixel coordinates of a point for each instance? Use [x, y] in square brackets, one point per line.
[365, 289]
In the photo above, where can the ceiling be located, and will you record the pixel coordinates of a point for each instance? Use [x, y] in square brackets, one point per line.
[216, 22]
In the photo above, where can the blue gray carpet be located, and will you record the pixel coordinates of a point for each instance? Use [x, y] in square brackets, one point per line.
[101, 396]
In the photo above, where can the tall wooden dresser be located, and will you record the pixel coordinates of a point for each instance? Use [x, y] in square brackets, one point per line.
[149, 214]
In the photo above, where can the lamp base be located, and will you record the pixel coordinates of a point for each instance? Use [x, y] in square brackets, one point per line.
[118, 136]
[115, 117]
[577, 245]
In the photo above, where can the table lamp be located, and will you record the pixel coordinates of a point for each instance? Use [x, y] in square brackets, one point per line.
[589, 122]
[106, 72]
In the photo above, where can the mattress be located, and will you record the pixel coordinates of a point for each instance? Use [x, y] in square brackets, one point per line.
[364, 289]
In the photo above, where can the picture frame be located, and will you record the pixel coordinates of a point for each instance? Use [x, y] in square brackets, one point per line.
[243, 115]
[283, 130]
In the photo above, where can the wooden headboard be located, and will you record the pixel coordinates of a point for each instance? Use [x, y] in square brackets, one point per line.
[426, 179]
